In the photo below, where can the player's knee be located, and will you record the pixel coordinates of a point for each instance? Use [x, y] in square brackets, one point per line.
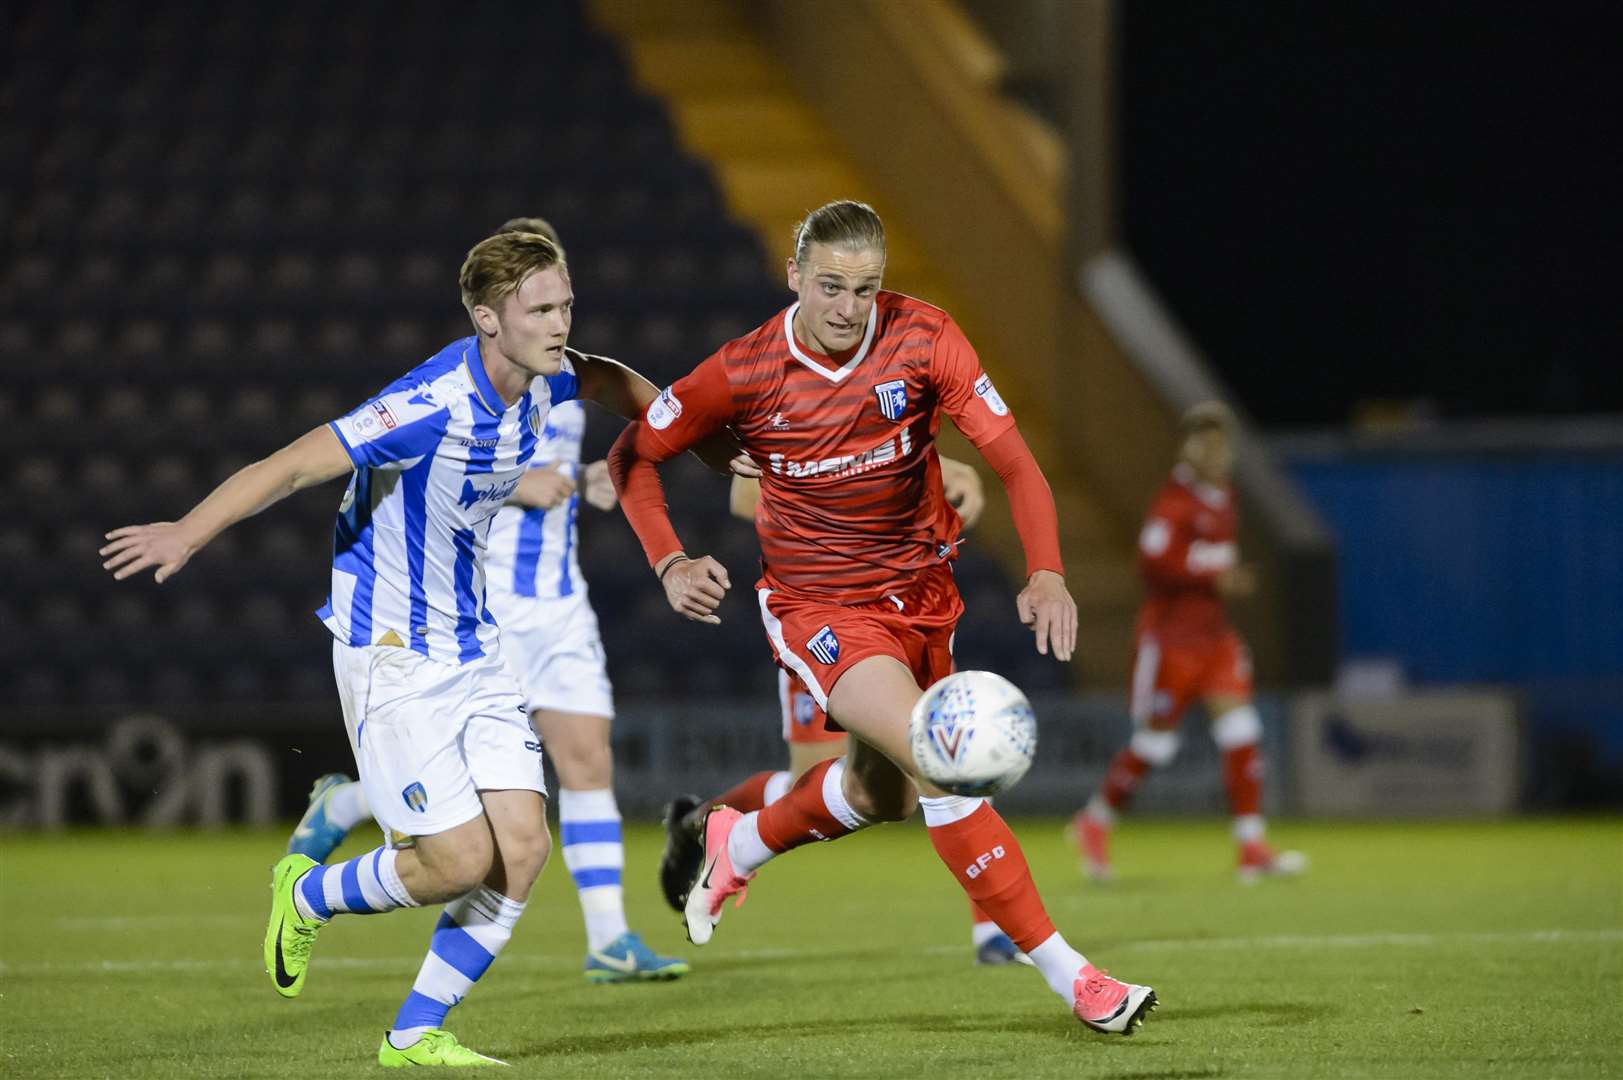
[1238, 727]
[1155, 747]
[887, 802]
[585, 768]
[525, 855]
[462, 868]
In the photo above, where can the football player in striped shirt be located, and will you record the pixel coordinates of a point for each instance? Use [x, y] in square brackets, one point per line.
[437, 721]
[550, 638]
[839, 398]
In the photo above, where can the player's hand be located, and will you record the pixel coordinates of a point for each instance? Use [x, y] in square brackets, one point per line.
[962, 485]
[695, 587]
[1237, 582]
[1046, 606]
[544, 487]
[744, 465]
[599, 488]
[164, 544]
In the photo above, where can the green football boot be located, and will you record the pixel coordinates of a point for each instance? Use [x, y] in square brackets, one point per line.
[436, 1047]
[289, 936]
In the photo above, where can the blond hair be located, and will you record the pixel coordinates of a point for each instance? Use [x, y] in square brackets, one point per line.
[498, 265]
[845, 223]
[538, 225]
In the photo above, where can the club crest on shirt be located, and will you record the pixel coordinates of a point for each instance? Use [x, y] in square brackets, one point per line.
[824, 646]
[534, 420]
[892, 397]
[416, 796]
[665, 409]
[988, 393]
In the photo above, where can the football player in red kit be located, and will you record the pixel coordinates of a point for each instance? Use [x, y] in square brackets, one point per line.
[810, 740]
[839, 398]
[1187, 651]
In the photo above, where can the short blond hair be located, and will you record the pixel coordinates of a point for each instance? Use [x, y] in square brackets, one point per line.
[498, 265]
[538, 225]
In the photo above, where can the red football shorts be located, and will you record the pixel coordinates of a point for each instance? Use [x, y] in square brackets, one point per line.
[804, 721]
[818, 641]
[1167, 676]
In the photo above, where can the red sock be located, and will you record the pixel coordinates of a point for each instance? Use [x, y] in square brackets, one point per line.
[801, 816]
[1122, 779]
[976, 915]
[984, 856]
[746, 795]
[1242, 775]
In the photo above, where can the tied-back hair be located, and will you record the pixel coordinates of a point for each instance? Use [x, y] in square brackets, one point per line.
[845, 223]
[1207, 416]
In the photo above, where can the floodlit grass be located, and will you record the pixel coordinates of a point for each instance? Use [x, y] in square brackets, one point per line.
[1409, 951]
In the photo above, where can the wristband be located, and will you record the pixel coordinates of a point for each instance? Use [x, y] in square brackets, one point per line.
[673, 562]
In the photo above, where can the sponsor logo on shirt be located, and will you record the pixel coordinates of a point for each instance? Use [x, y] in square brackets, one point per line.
[777, 423]
[495, 493]
[892, 449]
[892, 397]
[988, 393]
[385, 415]
[665, 409]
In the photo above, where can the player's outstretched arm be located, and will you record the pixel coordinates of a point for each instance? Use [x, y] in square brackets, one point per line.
[627, 394]
[309, 460]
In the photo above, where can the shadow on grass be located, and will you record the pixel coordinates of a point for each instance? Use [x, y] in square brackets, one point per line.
[1056, 1027]
[1266, 1013]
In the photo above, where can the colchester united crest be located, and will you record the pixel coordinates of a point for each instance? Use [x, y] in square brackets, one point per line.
[892, 397]
[415, 795]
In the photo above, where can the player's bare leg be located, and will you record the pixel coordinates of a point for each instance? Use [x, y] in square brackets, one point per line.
[875, 782]
[593, 850]
[1237, 730]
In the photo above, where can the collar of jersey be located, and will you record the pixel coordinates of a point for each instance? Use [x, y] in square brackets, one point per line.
[1210, 494]
[836, 374]
[482, 387]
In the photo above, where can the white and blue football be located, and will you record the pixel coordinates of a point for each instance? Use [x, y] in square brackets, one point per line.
[973, 733]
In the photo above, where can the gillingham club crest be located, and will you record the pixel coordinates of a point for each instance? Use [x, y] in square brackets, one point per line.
[824, 646]
[892, 397]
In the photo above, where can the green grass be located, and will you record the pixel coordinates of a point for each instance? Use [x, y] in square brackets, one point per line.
[1409, 951]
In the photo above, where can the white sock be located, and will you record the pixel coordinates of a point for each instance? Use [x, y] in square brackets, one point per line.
[589, 827]
[365, 885]
[1249, 827]
[1101, 811]
[982, 932]
[745, 847]
[346, 805]
[777, 785]
[470, 933]
[1060, 965]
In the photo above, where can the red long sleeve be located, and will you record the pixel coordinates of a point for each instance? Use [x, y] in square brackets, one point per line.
[1030, 500]
[632, 460]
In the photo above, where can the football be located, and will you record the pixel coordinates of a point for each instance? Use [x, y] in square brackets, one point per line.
[973, 733]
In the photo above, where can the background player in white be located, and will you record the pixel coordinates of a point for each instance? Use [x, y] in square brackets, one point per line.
[550, 639]
[437, 721]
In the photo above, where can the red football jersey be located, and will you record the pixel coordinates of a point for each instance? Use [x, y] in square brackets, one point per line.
[851, 499]
[1187, 540]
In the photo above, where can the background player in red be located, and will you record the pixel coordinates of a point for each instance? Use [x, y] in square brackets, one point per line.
[839, 398]
[810, 740]
[1186, 650]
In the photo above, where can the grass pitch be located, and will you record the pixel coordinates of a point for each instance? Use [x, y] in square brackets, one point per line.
[1409, 951]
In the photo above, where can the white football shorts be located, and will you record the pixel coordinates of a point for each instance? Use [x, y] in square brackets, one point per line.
[554, 648]
[429, 736]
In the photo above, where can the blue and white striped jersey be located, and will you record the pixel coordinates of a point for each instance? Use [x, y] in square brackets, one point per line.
[435, 455]
[532, 551]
